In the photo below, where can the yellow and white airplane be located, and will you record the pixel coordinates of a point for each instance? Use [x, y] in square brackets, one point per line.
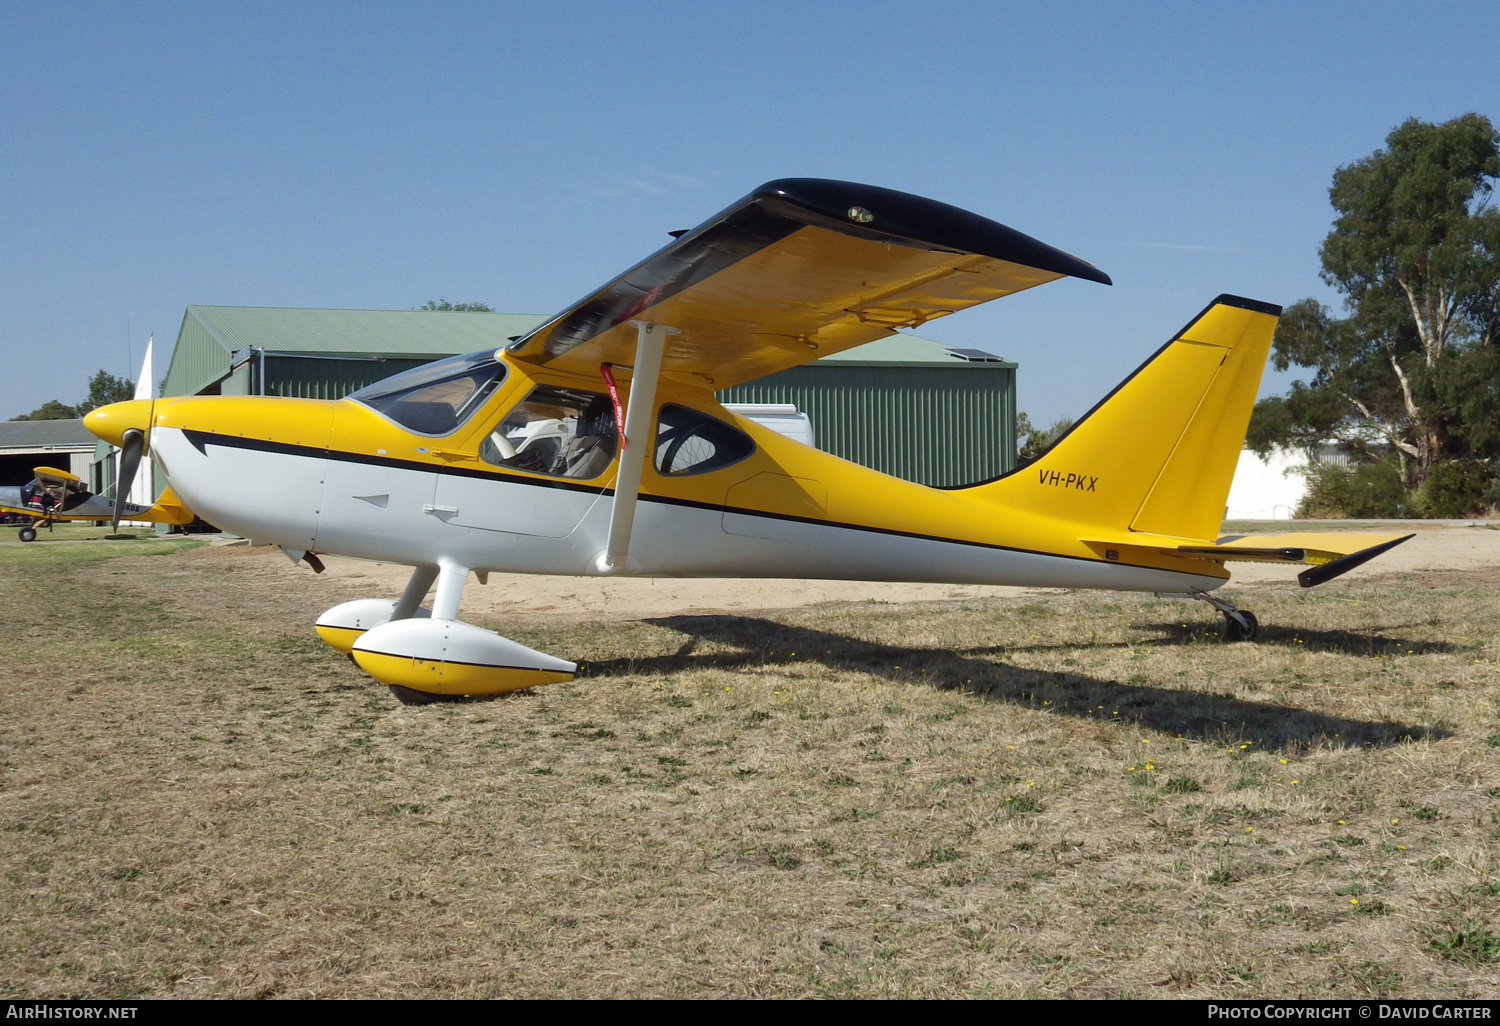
[594, 444]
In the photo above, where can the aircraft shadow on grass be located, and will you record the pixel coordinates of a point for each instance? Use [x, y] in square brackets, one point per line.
[1197, 716]
[1175, 632]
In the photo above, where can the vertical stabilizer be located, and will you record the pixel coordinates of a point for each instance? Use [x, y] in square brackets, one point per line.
[1158, 453]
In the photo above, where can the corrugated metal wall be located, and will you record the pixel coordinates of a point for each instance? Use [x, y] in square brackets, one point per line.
[322, 378]
[239, 381]
[935, 425]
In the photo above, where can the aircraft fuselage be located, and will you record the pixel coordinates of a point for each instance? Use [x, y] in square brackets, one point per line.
[92, 507]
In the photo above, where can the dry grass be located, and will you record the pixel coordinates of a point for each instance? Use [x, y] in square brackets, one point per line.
[1079, 795]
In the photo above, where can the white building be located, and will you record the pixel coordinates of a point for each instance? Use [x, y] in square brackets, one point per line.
[1267, 489]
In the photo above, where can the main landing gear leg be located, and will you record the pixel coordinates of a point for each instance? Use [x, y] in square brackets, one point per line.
[1239, 624]
[416, 590]
[450, 588]
[451, 579]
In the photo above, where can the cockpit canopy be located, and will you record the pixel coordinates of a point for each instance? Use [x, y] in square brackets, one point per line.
[436, 398]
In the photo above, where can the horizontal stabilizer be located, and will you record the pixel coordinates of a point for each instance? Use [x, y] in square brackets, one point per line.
[168, 509]
[1245, 554]
[1329, 555]
[1334, 567]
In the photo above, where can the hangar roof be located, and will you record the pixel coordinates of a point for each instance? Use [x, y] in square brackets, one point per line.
[912, 350]
[211, 335]
[45, 434]
[443, 333]
[367, 332]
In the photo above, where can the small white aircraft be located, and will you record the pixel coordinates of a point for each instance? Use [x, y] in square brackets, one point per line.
[594, 445]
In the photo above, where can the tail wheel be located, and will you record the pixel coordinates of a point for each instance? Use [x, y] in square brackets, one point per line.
[1241, 625]
[28, 534]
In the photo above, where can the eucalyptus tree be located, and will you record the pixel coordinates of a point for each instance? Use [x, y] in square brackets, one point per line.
[1415, 251]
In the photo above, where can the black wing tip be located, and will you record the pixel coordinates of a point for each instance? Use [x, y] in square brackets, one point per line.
[916, 218]
[1337, 568]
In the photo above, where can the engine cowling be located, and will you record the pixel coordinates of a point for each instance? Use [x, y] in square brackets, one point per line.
[450, 657]
[342, 625]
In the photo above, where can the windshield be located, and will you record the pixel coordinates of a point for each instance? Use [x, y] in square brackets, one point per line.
[435, 398]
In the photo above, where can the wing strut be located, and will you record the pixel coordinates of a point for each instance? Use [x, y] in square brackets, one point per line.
[650, 343]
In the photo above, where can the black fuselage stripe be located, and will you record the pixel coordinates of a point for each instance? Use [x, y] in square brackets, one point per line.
[200, 439]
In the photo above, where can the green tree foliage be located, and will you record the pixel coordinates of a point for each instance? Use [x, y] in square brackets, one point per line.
[1031, 442]
[1363, 491]
[1456, 488]
[50, 410]
[105, 388]
[444, 305]
[1412, 372]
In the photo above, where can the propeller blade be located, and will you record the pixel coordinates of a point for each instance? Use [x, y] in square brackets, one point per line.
[132, 445]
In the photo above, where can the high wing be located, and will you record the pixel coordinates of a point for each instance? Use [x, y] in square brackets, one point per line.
[798, 269]
[56, 478]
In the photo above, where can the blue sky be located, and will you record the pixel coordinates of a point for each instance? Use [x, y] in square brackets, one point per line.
[376, 155]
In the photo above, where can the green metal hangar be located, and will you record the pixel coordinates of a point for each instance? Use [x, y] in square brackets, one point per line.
[907, 406]
[904, 405]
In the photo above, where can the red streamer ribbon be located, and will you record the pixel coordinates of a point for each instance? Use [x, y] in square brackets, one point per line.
[614, 398]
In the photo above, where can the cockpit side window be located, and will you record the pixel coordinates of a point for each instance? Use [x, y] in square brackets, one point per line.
[689, 442]
[436, 398]
[560, 432]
